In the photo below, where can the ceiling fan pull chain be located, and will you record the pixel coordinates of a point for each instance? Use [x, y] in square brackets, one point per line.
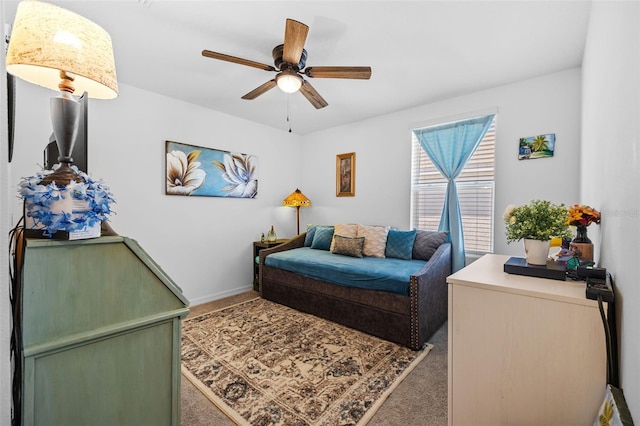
[289, 111]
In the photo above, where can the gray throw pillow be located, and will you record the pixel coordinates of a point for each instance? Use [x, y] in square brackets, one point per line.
[426, 243]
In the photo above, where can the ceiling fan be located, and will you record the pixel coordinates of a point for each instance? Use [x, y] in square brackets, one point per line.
[290, 61]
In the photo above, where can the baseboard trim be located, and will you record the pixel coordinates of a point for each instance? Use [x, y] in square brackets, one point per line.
[220, 295]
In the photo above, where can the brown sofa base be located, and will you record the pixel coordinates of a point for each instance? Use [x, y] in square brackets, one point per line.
[406, 320]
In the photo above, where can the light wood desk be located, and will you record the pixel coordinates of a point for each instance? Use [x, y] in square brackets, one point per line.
[522, 350]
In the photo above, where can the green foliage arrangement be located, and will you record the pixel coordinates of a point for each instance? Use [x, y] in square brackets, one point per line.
[538, 220]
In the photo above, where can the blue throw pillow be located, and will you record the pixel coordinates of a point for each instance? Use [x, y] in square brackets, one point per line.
[322, 238]
[400, 244]
[311, 231]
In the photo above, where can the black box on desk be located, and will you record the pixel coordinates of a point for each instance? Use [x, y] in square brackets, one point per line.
[519, 266]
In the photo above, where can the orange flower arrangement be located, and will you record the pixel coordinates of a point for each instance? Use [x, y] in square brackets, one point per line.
[582, 216]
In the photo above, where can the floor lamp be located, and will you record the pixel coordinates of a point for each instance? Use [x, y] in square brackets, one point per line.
[297, 199]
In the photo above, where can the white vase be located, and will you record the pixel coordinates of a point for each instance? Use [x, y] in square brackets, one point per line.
[537, 252]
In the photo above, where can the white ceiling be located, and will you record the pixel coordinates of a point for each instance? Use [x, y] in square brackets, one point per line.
[419, 51]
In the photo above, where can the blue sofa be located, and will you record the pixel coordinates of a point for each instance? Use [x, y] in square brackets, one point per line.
[403, 300]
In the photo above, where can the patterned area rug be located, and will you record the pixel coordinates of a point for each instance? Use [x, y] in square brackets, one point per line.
[265, 364]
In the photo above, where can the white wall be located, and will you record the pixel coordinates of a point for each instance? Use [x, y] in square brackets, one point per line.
[5, 225]
[610, 166]
[548, 104]
[203, 243]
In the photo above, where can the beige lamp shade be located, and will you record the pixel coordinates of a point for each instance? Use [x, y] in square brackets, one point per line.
[296, 199]
[47, 39]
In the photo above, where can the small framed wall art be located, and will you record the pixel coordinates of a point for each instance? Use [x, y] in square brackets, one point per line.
[540, 146]
[346, 175]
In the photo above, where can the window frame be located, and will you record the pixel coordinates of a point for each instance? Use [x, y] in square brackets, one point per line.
[478, 176]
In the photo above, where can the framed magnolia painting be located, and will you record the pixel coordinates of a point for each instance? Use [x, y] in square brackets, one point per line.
[346, 175]
[198, 171]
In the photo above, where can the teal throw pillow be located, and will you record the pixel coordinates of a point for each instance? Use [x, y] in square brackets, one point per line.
[400, 244]
[322, 238]
[311, 231]
[348, 246]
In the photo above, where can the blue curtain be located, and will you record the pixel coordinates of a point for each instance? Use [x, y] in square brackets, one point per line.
[450, 146]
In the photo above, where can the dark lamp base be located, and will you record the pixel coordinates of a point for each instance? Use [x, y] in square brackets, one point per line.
[62, 176]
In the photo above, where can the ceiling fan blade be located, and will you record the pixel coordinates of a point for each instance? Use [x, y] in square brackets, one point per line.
[363, 73]
[295, 35]
[260, 90]
[236, 60]
[312, 96]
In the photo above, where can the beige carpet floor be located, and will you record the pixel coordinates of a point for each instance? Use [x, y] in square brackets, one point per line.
[421, 398]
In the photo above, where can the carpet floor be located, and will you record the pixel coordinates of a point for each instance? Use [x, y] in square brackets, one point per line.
[420, 399]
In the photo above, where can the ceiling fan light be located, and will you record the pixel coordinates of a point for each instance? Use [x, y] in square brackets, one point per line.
[289, 82]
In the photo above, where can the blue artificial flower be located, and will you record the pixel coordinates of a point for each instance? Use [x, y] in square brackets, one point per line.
[79, 191]
[38, 199]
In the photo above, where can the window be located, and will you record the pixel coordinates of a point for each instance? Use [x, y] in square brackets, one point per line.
[475, 191]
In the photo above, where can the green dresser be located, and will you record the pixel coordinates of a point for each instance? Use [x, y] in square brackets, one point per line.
[101, 335]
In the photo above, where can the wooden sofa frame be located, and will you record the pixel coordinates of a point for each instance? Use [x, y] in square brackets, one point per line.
[406, 320]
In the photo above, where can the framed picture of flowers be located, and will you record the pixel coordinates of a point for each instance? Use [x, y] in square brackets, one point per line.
[199, 171]
[346, 175]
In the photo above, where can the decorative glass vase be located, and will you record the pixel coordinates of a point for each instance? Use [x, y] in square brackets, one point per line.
[271, 235]
[581, 245]
[581, 235]
[537, 251]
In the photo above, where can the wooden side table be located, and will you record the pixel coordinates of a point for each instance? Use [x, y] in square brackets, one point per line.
[257, 246]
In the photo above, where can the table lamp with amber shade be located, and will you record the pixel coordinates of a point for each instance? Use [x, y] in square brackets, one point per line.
[297, 199]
